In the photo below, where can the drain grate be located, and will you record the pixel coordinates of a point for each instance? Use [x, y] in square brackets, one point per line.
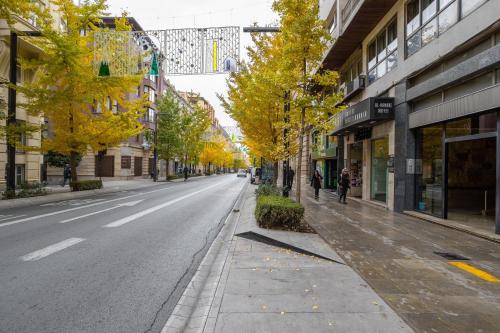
[451, 256]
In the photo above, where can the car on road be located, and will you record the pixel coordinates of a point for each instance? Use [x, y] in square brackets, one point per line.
[241, 173]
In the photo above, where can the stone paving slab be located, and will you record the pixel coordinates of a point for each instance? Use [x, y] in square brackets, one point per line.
[269, 289]
[308, 322]
[395, 255]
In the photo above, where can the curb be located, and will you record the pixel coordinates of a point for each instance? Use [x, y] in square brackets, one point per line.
[192, 311]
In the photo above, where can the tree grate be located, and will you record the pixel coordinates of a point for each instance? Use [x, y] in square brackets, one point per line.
[451, 256]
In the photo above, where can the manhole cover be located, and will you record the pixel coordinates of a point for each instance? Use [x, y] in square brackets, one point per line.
[451, 256]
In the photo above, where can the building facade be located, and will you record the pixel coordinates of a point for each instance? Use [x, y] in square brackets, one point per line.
[421, 82]
[29, 164]
[134, 157]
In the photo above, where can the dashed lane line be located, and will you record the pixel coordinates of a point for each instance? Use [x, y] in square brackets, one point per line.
[10, 217]
[31, 218]
[133, 217]
[47, 251]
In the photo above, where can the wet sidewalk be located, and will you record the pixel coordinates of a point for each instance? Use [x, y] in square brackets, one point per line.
[264, 285]
[410, 264]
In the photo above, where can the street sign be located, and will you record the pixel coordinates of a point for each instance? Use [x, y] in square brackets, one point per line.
[191, 51]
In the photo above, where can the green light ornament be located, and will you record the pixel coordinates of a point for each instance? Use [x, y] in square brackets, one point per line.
[154, 66]
[104, 69]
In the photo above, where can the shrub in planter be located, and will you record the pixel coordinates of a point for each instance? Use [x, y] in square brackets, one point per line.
[32, 189]
[275, 211]
[85, 185]
[25, 190]
[266, 189]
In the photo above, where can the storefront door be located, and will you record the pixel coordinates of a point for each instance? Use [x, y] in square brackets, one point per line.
[471, 178]
[380, 156]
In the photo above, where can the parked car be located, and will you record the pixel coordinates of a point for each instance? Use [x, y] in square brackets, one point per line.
[241, 173]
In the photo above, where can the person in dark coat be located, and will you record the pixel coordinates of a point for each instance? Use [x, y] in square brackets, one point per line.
[66, 174]
[316, 182]
[186, 171]
[344, 184]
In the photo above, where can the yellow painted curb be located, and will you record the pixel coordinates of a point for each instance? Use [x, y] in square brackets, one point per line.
[475, 271]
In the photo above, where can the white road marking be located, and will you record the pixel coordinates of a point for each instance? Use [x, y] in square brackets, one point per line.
[10, 217]
[126, 204]
[37, 255]
[131, 218]
[31, 218]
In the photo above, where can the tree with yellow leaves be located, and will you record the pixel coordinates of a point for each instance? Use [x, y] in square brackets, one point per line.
[285, 67]
[79, 105]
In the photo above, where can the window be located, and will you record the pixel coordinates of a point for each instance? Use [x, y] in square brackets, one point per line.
[112, 105]
[96, 108]
[412, 17]
[427, 19]
[150, 115]
[333, 23]
[382, 53]
[151, 93]
[20, 174]
[126, 162]
[21, 140]
[429, 9]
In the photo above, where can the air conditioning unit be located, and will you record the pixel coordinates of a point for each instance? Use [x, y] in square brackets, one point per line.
[354, 86]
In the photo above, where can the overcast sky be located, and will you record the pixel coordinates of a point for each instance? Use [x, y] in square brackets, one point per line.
[170, 14]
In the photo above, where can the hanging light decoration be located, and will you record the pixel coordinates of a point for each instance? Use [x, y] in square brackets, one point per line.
[104, 69]
[154, 65]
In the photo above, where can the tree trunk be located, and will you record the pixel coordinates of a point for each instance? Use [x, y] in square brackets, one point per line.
[298, 174]
[275, 173]
[73, 163]
[168, 169]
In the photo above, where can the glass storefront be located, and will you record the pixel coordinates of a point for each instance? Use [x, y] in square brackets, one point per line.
[456, 170]
[430, 170]
[380, 156]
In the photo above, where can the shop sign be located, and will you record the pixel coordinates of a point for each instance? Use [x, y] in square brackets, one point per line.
[413, 166]
[373, 108]
[390, 164]
[383, 108]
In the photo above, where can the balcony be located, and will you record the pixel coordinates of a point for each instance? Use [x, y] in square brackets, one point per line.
[358, 18]
[354, 87]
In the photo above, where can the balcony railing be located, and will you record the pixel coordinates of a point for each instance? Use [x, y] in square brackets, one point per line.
[348, 9]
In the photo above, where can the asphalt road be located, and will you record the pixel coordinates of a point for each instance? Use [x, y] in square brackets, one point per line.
[110, 263]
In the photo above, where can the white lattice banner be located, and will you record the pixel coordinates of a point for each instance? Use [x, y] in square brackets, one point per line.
[178, 51]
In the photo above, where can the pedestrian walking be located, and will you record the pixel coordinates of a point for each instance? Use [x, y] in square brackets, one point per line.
[344, 184]
[186, 170]
[66, 174]
[316, 181]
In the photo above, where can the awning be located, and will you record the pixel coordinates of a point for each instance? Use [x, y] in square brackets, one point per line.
[364, 114]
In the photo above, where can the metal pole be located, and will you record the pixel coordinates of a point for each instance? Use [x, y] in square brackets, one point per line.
[155, 150]
[286, 163]
[11, 113]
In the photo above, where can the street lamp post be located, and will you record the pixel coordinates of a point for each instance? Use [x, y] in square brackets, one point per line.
[11, 111]
[155, 150]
